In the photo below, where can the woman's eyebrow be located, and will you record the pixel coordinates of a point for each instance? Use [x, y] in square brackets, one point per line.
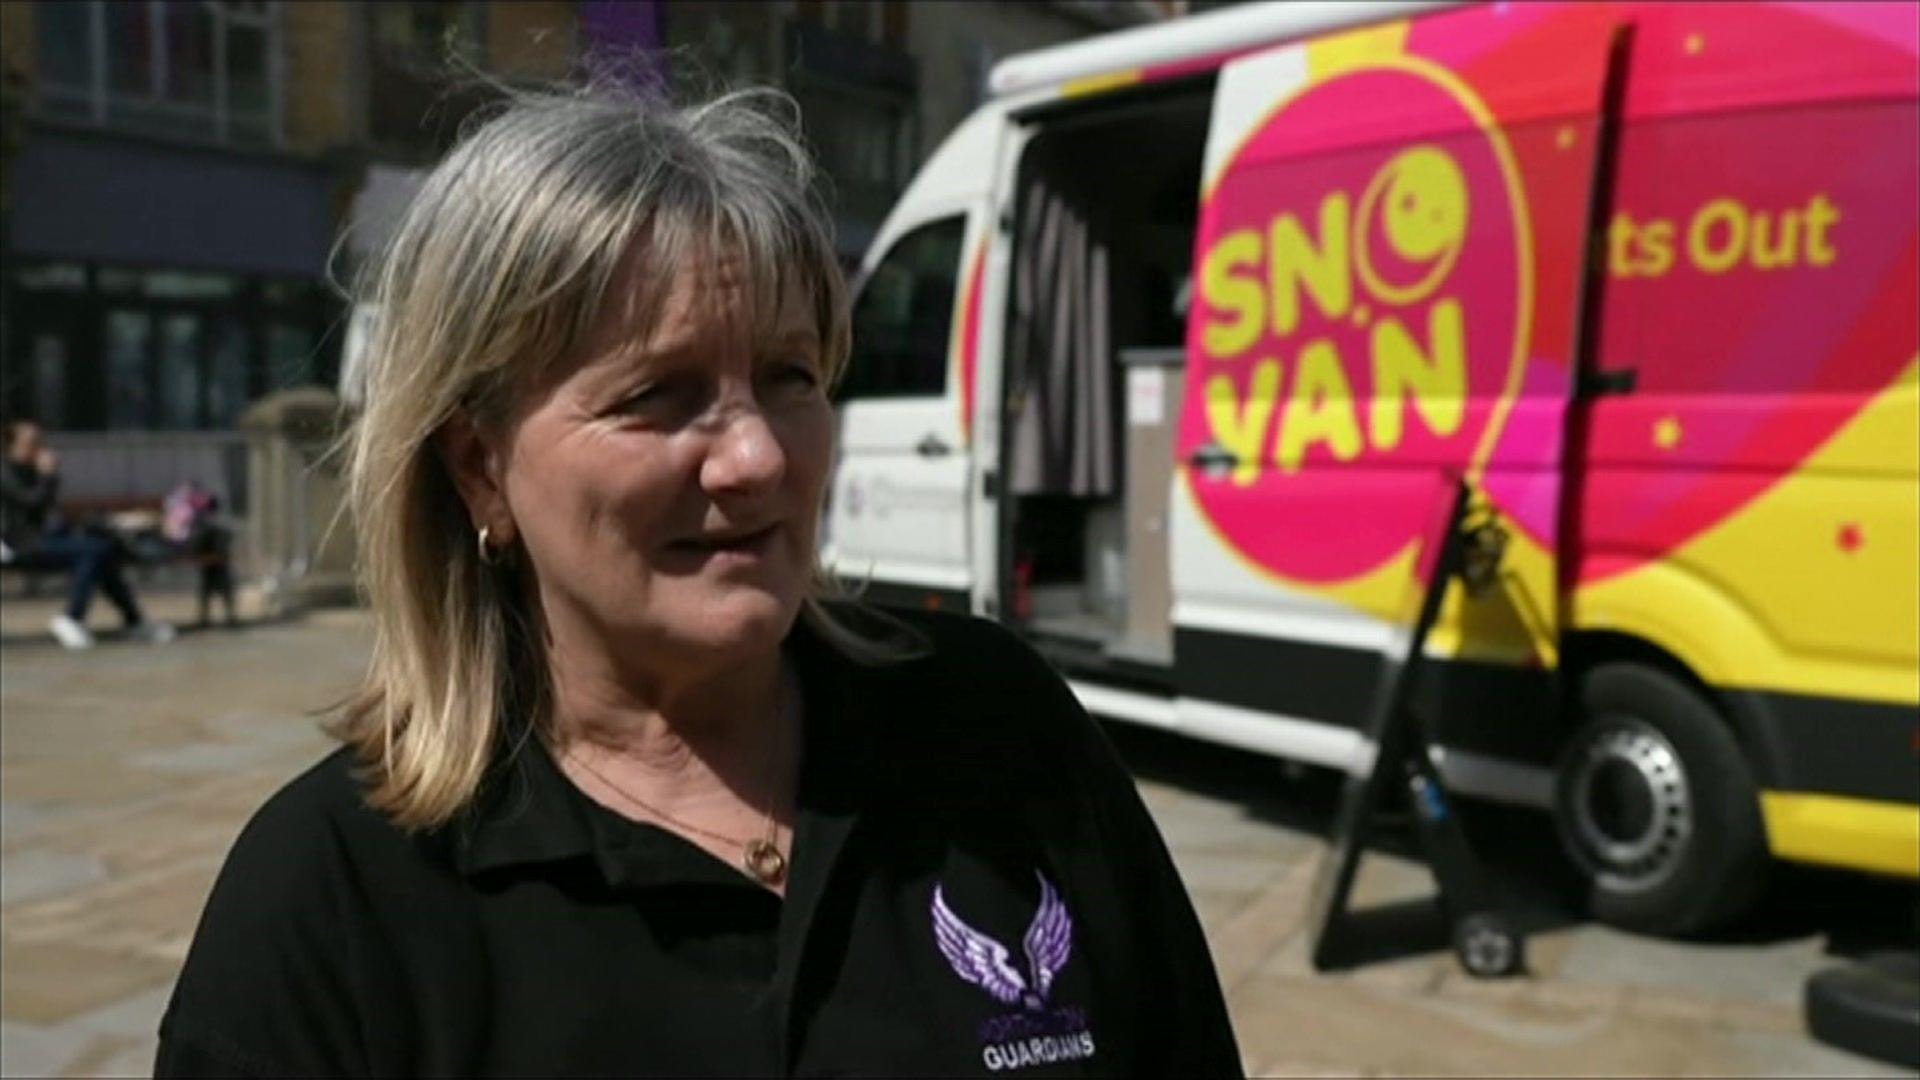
[614, 370]
[795, 336]
[643, 354]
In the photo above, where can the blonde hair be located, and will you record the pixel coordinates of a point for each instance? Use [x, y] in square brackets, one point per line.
[499, 268]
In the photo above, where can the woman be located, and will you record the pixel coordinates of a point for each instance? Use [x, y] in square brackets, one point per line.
[623, 794]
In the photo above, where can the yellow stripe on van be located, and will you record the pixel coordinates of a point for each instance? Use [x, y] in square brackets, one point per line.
[1100, 84]
[1330, 56]
[1765, 600]
[1860, 834]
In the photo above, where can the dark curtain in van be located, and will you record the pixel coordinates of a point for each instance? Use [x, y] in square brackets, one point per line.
[1059, 360]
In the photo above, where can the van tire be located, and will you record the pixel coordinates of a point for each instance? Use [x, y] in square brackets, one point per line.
[1655, 803]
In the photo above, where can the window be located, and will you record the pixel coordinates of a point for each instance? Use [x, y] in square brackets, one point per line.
[179, 373]
[416, 96]
[289, 359]
[859, 135]
[903, 319]
[52, 277]
[187, 285]
[66, 58]
[49, 358]
[42, 316]
[250, 97]
[65, 32]
[862, 138]
[158, 348]
[868, 19]
[856, 18]
[198, 69]
[227, 372]
[125, 341]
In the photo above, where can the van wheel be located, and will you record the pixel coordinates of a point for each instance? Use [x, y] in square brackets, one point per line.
[1655, 803]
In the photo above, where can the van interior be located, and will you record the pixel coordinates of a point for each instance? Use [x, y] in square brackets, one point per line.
[1105, 215]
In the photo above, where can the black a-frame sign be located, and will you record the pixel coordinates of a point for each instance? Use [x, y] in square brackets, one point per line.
[1483, 938]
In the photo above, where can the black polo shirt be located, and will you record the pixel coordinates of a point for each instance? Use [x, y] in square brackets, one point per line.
[976, 889]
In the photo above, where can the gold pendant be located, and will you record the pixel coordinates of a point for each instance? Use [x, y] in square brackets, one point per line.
[764, 861]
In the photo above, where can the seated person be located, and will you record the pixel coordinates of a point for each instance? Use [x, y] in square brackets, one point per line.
[36, 539]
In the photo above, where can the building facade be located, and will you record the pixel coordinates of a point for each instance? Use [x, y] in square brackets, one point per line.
[163, 248]
[186, 179]
[879, 82]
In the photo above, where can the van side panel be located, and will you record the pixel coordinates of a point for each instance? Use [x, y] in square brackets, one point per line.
[1753, 506]
[1391, 256]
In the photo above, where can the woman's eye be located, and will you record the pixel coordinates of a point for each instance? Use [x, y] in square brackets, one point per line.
[655, 398]
[797, 374]
[640, 399]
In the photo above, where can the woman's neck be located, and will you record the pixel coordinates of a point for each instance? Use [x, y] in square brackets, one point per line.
[678, 732]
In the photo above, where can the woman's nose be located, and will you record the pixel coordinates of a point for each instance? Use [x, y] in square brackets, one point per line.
[744, 455]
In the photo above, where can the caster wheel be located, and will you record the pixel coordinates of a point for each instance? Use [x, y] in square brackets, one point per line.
[1488, 947]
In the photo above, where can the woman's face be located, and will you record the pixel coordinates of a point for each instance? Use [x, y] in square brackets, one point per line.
[667, 487]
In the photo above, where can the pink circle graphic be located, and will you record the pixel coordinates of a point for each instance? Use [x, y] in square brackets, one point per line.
[1358, 320]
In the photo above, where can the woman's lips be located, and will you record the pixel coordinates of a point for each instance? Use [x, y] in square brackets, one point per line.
[743, 547]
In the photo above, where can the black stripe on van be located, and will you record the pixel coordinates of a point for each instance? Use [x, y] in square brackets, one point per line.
[1795, 742]
[1832, 746]
[1492, 709]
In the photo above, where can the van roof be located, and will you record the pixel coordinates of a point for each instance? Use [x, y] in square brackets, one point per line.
[1214, 33]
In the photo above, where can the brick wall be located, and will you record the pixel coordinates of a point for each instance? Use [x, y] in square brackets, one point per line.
[16, 39]
[530, 38]
[321, 104]
[16, 87]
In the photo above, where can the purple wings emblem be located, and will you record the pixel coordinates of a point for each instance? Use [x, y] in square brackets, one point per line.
[986, 963]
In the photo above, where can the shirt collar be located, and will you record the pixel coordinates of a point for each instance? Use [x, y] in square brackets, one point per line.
[528, 812]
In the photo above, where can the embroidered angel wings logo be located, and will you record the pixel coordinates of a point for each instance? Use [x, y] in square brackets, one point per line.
[987, 964]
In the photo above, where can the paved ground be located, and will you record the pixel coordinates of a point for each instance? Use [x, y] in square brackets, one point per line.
[1595, 1002]
[127, 771]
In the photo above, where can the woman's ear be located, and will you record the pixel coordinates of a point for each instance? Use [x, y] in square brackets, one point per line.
[474, 456]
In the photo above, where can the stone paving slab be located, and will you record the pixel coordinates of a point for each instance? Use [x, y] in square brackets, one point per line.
[127, 771]
[36, 873]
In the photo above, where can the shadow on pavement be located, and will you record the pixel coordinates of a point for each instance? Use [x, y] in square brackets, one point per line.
[1394, 931]
[1516, 846]
[1299, 798]
[1854, 913]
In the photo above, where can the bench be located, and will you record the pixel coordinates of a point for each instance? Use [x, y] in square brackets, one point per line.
[135, 521]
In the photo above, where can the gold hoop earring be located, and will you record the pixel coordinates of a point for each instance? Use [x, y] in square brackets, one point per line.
[488, 556]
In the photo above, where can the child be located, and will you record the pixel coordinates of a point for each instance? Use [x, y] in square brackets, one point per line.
[190, 528]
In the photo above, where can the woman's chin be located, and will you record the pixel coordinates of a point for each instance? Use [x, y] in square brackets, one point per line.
[743, 619]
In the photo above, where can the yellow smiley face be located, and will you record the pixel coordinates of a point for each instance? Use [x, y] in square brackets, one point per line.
[1426, 204]
[1419, 199]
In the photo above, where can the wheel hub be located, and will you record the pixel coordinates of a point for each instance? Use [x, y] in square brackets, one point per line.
[1630, 806]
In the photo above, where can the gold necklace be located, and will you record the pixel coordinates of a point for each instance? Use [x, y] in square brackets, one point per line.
[760, 856]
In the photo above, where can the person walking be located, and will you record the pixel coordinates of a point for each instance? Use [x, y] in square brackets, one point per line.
[627, 791]
[36, 539]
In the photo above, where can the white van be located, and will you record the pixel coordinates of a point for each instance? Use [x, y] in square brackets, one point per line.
[1165, 356]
